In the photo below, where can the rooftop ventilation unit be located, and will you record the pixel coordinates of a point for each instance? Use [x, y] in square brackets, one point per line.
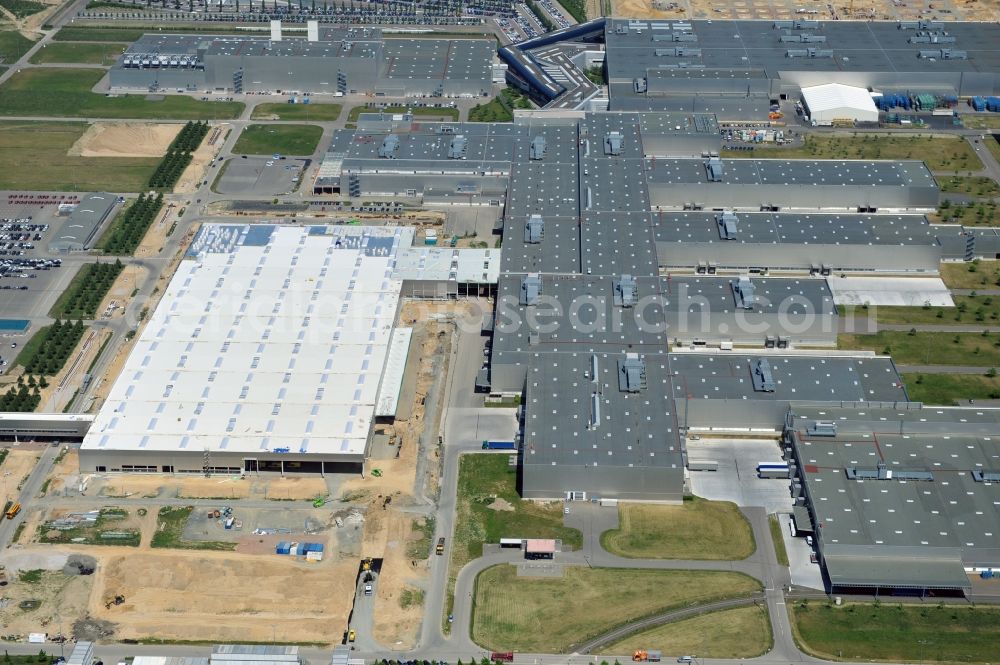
[760, 373]
[639, 85]
[613, 143]
[805, 24]
[981, 476]
[595, 410]
[531, 289]
[727, 222]
[883, 472]
[743, 292]
[537, 149]
[821, 428]
[631, 373]
[593, 368]
[275, 31]
[534, 229]
[943, 54]
[458, 146]
[713, 167]
[389, 147]
[312, 31]
[625, 294]
[928, 37]
[920, 25]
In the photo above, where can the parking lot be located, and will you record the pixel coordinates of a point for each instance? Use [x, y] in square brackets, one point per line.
[31, 278]
[261, 175]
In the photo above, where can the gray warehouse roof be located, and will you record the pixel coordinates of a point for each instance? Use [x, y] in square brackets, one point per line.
[795, 172]
[76, 233]
[820, 378]
[576, 314]
[770, 295]
[574, 417]
[797, 228]
[951, 510]
[858, 46]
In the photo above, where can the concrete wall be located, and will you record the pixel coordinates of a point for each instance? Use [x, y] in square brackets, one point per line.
[112, 461]
[543, 481]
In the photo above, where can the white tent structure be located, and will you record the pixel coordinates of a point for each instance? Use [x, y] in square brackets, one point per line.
[835, 101]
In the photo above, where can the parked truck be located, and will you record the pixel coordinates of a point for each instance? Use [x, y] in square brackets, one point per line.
[440, 546]
[499, 445]
[767, 470]
[13, 510]
[502, 656]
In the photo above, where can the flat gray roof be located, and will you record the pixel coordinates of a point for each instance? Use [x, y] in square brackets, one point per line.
[796, 228]
[858, 46]
[633, 428]
[951, 510]
[806, 378]
[907, 173]
[773, 295]
[77, 232]
[576, 314]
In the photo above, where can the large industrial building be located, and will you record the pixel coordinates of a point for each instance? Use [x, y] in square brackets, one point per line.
[334, 62]
[737, 69]
[898, 497]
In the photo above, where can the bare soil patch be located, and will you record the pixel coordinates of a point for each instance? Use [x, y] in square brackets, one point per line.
[125, 139]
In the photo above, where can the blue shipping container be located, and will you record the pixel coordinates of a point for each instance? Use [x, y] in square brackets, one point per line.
[282, 547]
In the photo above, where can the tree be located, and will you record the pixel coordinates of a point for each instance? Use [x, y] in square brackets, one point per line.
[992, 373]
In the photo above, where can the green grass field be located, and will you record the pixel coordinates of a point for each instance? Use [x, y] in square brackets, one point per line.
[929, 348]
[13, 45]
[899, 633]
[972, 185]
[484, 480]
[317, 112]
[777, 538]
[968, 310]
[544, 614]
[973, 275]
[90, 53]
[283, 139]
[948, 389]
[496, 110]
[33, 156]
[940, 153]
[743, 632]
[697, 529]
[973, 213]
[66, 92]
[85, 33]
[445, 113]
[981, 121]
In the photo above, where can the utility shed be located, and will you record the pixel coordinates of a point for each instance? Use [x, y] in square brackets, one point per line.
[538, 548]
[830, 102]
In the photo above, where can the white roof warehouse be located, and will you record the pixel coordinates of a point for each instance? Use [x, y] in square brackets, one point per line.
[266, 353]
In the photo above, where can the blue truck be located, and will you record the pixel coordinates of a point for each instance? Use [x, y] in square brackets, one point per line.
[499, 445]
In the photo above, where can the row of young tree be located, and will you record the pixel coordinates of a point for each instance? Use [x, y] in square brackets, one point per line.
[58, 342]
[127, 233]
[190, 137]
[88, 290]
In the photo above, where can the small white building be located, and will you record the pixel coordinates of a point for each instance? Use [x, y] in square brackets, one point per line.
[825, 104]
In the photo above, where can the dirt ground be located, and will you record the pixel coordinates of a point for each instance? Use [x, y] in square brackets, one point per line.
[62, 597]
[125, 139]
[66, 472]
[197, 487]
[396, 627]
[30, 25]
[15, 469]
[192, 595]
[200, 159]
